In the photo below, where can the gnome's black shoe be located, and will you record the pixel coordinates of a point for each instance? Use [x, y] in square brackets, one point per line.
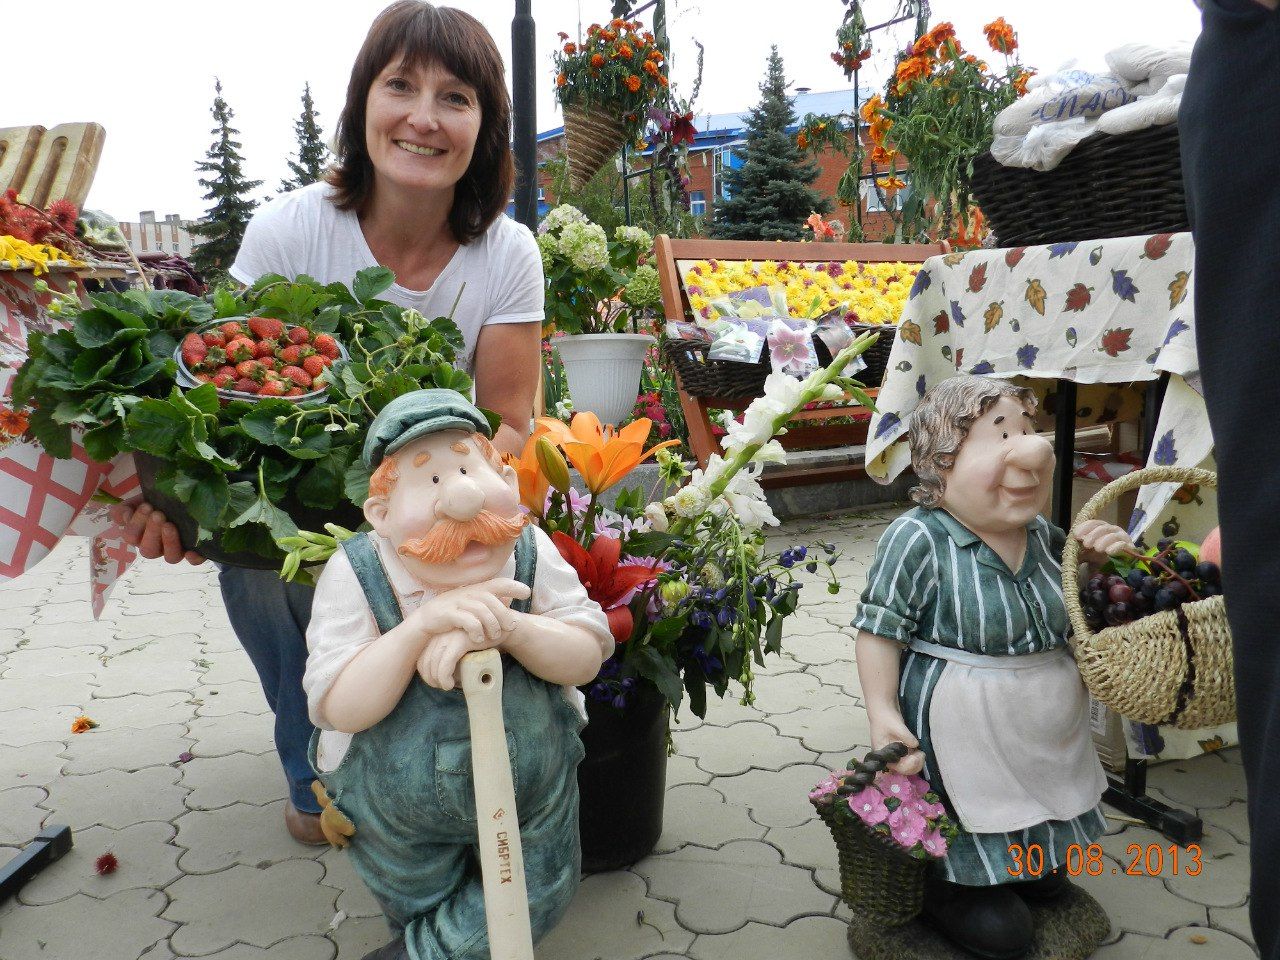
[990, 922]
[395, 950]
[1043, 889]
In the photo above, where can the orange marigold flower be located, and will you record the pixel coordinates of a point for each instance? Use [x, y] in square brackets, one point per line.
[910, 70]
[891, 185]
[625, 52]
[802, 140]
[617, 23]
[882, 156]
[650, 68]
[648, 37]
[571, 48]
[609, 35]
[13, 423]
[1020, 81]
[597, 60]
[871, 108]
[932, 41]
[561, 80]
[1001, 36]
[82, 725]
[632, 83]
[663, 81]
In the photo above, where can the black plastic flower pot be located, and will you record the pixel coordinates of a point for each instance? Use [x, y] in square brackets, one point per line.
[622, 780]
[307, 518]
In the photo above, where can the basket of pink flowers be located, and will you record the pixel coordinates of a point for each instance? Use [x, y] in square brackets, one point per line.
[886, 827]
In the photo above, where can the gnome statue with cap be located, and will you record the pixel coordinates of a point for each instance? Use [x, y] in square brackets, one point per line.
[449, 567]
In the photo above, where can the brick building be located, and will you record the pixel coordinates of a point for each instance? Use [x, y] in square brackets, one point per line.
[148, 235]
[719, 144]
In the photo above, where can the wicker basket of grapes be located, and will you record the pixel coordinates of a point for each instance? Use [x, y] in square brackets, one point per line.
[1151, 636]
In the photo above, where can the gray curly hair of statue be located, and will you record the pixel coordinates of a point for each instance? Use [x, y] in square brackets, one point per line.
[941, 422]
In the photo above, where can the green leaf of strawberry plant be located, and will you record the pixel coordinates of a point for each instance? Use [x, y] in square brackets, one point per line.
[371, 282]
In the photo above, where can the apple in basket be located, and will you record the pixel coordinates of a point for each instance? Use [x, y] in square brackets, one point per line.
[1211, 549]
[257, 357]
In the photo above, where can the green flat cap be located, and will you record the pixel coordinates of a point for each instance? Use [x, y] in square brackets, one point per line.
[413, 415]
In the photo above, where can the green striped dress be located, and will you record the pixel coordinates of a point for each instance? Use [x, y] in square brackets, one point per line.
[936, 580]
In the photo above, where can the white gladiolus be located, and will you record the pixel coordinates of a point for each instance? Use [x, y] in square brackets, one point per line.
[831, 392]
[656, 514]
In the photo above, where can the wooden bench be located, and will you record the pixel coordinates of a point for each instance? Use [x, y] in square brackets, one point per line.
[675, 256]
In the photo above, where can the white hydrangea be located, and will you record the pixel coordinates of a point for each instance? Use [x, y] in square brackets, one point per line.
[636, 236]
[560, 217]
[548, 246]
[585, 246]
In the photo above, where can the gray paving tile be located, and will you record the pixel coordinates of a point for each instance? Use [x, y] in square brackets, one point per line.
[1233, 819]
[238, 834]
[247, 905]
[125, 748]
[1203, 781]
[33, 596]
[605, 922]
[146, 856]
[807, 845]
[787, 692]
[73, 612]
[1197, 943]
[357, 936]
[1224, 879]
[751, 883]
[839, 726]
[698, 814]
[355, 900]
[150, 670]
[166, 601]
[33, 765]
[113, 798]
[237, 732]
[219, 638]
[23, 814]
[822, 648]
[121, 927]
[227, 667]
[1234, 920]
[224, 699]
[803, 937]
[11, 637]
[682, 769]
[36, 724]
[140, 711]
[738, 748]
[775, 799]
[33, 663]
[239, 777]
[295, 948]
[1132, 946]
[100, 633]
[1140, 904]
[39, 693]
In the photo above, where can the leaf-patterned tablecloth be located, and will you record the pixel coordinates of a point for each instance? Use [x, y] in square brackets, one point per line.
[1107, 311]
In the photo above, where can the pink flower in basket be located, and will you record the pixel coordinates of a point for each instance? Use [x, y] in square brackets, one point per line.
[934, 843]
[868, 804]
[930, 811]
[790, 349]
[907, 826]
[827, 786]
[902, 787]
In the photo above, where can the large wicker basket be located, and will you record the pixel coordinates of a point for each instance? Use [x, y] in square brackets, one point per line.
[701, 376]
[1126, 185]
[1172, 667]
[592, 136]
[878, 879]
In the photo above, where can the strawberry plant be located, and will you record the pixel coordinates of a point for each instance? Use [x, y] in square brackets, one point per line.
[242, 468]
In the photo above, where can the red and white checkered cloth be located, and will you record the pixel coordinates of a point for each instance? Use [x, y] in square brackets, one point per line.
[43, 499]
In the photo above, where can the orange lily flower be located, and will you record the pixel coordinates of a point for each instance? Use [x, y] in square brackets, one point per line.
[602, 454]
[533, 485]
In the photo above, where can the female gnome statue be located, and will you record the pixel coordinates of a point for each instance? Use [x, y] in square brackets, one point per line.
[962, 655]
[395, 611]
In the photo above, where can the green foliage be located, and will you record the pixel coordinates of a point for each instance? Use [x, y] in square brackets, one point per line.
[771, 194]
[312, 153]
[240, 467]
[227, 190]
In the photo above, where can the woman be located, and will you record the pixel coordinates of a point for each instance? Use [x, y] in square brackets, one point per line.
[423, 173]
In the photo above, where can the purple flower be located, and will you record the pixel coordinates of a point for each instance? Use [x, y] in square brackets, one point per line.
[661, 118]
[869, 805]
[790, 349]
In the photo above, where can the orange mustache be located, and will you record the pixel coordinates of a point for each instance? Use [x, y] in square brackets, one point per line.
[448, 538]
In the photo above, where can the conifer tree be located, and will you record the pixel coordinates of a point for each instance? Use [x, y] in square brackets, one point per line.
[312, 153]
[770, 195]
[228, 193]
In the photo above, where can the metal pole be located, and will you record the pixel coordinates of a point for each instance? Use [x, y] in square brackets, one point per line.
[626, 189]
[524, 115]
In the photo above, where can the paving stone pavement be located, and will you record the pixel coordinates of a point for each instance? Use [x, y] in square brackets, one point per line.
[743, 869]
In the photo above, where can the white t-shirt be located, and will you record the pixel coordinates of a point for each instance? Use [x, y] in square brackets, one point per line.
[302, 232]
[342, 624]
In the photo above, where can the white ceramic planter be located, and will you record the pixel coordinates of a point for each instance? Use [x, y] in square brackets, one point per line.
[603, 370]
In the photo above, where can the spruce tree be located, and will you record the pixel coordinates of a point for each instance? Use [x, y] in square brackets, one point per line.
[312, 152]
[228, 192]
[770, 196]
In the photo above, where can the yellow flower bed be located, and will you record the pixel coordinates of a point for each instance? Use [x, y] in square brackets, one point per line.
[871, 292]
[20, 255]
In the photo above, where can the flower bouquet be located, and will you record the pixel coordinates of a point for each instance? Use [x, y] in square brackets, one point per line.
[235, 469]
[605, 84]
[886, 827]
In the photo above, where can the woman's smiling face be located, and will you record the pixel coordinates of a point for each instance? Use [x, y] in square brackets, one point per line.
[421, 124]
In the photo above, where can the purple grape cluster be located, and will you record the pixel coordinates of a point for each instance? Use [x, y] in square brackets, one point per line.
[1163, 582]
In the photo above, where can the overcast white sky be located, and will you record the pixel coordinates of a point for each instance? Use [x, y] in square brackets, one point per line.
[144, 69]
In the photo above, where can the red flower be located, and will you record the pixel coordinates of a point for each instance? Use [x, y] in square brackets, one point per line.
[106, 864]
[607, 581]
[682, 128]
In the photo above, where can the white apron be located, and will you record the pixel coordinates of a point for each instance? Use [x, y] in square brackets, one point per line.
[1011, 738]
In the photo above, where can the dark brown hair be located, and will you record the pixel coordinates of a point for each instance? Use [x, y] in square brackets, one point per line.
[420, 34]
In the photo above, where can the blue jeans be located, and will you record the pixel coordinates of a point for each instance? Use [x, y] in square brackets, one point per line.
[270, 620]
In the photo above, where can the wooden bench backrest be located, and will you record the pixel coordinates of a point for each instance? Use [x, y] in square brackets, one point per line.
[46, 165]
[669, 252]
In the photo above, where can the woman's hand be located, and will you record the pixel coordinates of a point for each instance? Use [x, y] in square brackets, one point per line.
[888, 726]
[1100, 540]
[146, 528]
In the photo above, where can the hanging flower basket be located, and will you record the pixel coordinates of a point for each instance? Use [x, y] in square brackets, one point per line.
[591, 138]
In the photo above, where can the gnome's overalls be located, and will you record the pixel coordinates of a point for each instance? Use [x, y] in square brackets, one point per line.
[406, 784]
